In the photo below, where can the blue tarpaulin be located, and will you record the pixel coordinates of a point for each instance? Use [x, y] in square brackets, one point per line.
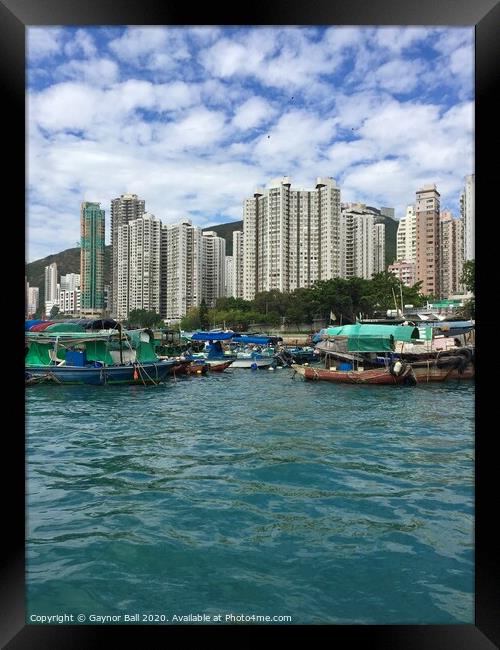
[212, 336]
[259, 340]
[29, 323]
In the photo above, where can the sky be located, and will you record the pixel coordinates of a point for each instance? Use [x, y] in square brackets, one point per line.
[194, 119]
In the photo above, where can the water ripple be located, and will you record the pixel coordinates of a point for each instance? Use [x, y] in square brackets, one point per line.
[252, 493]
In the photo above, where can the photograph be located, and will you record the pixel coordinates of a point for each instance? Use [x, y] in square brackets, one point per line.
[250, 326]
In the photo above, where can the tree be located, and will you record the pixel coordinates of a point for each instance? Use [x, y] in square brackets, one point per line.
[468, 278]
[203, 315]
[468, 275]
[54, 311]
[144, 318]
[191, 321]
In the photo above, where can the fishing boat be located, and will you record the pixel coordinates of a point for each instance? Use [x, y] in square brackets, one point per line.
[254, 351]
[399, 373]
[74, 355]
[351, 355]
[286, 355]
[432, 356]
[443, 366]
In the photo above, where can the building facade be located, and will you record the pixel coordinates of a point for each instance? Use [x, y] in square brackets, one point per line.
[228, 277]
[69, 301]
[32, 301]
[181, 269]
[139, 244]
[124, 209]
[291, 237]
[70, 282]
[404, 271]
[362, 243]
[92, 228]
[427, 210]
[51, 283]
[237, 290]
[467, 210]
[213, 250]
[406, 245]
[452, 254]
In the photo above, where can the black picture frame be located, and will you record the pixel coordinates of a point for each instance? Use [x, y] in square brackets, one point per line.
[15, 16]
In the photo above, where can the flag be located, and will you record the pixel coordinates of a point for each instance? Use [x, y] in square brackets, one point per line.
[332, 316]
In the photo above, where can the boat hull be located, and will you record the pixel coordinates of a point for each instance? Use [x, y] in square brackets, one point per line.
[430, 373]
[252, 363]
[374, 376]
[216, 366]
[144, 373]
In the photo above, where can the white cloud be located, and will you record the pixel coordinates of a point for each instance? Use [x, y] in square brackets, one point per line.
[295, 135]
[195, 136]
[43, 42]
[397, 39]
[156, 48]
[398, 75]
[252, 113]
[81, 43]
[97, 72]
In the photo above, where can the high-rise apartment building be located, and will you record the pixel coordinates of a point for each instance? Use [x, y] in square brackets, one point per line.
[291, 237]
[379, 248]
[32, 301]
[427, 209]
[467, 210]
[404, 271]
[69, 301]
[237, 289]
[138, 287]
[51, 283]
[70, 282]
[181, 269]
[452, 254]
[406, 246]
[213, 249]
[124, 209]
[362, 244]
[228, 277]
[92, 227]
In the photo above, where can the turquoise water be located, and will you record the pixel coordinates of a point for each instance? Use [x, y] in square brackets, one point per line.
[249, 493]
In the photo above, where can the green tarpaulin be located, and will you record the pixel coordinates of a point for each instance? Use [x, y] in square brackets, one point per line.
[98, 351]
[373, 338]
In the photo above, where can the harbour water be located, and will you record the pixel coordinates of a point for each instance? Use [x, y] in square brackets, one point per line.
[255, 494]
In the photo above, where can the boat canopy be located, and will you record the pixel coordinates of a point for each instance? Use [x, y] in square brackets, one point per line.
[64, 327]
[372, 338]
[28, 324]
[97, 345]
[259, 340]
[212, 336]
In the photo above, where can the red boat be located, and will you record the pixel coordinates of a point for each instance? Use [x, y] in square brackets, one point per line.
[390, 375]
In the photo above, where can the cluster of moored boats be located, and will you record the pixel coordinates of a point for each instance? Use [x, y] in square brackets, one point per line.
[100, 352]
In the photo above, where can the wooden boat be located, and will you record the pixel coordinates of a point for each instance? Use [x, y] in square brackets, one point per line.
[197, 368]
[389, 376]
[216, 366]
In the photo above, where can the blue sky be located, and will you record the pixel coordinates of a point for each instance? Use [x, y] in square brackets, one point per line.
[193, 119]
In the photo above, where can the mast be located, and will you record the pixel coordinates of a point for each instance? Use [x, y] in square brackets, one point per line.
[121, 343]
